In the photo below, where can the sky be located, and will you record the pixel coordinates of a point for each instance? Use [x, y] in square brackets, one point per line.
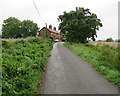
[106, 11]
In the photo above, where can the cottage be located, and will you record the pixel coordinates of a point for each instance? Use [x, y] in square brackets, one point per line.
[50, 32]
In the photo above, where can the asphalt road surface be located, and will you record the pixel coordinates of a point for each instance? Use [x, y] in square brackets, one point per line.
[67, 73]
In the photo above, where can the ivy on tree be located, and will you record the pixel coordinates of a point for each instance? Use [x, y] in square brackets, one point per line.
[79, 25]
[13, 28]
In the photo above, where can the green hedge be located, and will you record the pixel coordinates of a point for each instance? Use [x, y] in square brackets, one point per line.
[23, 63]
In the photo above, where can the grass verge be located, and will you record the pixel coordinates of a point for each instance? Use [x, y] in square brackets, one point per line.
[103, 58]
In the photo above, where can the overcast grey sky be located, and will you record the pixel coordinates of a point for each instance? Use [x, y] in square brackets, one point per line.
[106, 10]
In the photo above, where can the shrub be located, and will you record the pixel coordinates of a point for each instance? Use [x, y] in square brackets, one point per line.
[63, 39]
[23, 63]
[51, 38]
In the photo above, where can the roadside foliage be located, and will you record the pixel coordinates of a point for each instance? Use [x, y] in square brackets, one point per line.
[0, 68]
[104, 59]
[23, 62]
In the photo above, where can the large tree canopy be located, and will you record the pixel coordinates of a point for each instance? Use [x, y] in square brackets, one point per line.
[79, 25]
[29, 28]
[12, 28]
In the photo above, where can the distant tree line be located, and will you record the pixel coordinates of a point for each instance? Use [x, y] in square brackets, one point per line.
[109, 40]
[14, 28]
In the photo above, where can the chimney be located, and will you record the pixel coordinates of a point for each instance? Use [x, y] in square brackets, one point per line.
[50, 26]
[55, 28]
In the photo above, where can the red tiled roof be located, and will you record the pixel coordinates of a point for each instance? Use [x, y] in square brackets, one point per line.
[54, 31]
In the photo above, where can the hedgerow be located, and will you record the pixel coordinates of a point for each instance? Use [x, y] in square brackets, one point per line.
[23, 63]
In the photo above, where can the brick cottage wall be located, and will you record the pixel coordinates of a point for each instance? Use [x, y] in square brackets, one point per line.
[42, 33]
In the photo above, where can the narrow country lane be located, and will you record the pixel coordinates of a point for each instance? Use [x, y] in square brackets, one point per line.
[67, 73]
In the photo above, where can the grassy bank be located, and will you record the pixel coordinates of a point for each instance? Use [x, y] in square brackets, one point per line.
[23, 63]
[103, 58]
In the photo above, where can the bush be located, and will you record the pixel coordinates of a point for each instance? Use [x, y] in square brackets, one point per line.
[63, 39]
[23, 63]
[51, 38]
[89, 45]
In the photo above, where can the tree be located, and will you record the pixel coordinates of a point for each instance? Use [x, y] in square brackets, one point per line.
[79, 25]
[13, 28]
[29, 28]
[100, 41]
[10, 27]
[117, 40]
[109, 40]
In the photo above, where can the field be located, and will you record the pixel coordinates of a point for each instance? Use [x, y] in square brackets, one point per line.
[112, 44]
[23, 62]
[104, 59]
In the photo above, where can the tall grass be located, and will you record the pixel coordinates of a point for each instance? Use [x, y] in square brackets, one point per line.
[103, 58]
[23, 62]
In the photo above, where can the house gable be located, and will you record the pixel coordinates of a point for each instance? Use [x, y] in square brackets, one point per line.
[50, 32]
[42, 32]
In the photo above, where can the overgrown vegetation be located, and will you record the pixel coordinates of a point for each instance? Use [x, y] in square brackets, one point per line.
[103, 58]
[23, 63]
